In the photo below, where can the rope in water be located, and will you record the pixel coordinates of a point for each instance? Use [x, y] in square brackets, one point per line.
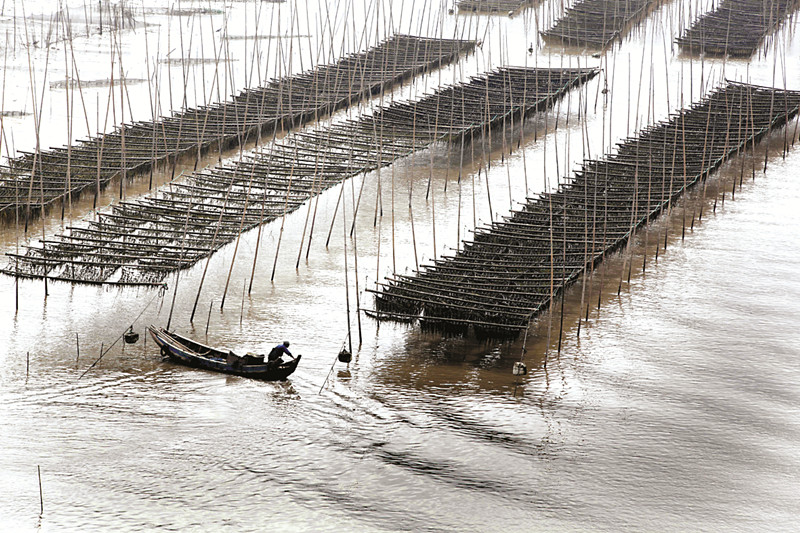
[162, 290]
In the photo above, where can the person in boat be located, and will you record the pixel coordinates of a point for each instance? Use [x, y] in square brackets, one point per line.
[277, 352]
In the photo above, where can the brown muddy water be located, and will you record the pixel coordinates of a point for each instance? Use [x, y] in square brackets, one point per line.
[675, 410]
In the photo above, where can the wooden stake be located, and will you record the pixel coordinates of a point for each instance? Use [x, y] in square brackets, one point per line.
[41, 494]
[241, 311]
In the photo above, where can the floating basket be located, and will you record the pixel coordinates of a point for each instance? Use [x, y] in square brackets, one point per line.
[345, 356]
[130, 336]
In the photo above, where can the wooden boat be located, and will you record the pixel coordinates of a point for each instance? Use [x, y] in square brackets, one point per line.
[191, 353]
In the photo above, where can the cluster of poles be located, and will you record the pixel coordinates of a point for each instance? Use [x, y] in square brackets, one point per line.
[509, 273]
[97, 17]
[736, 28]
[139, 243]
[515, 268]
[38, 179]
[598, 23]
[492, 6]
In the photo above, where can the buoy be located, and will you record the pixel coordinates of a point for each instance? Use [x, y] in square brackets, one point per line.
[519, 369]
[130, 336]
[345, 356]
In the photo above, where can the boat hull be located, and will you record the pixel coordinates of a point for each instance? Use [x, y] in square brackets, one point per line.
[187, 352]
